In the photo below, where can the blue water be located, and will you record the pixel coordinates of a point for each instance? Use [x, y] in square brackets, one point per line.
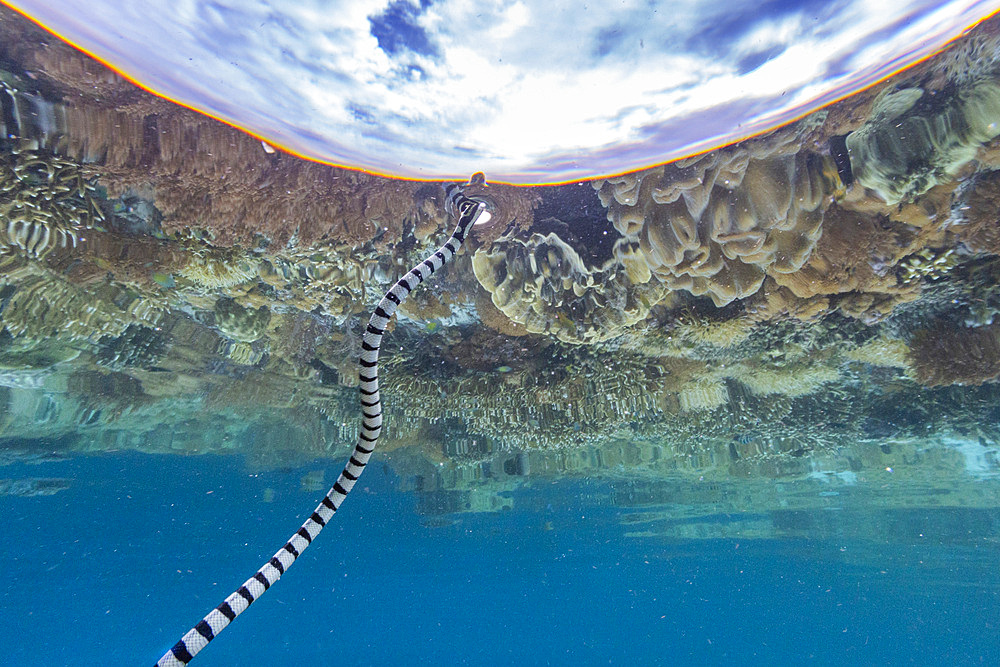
[113, 570]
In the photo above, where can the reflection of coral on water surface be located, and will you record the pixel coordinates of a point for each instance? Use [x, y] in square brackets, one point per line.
[818, 298]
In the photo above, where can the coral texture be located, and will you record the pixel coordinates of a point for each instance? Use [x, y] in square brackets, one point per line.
[45, 201]
[241, 324]
[542, 282]
[980, 222]
[915, 138]
[945, 354]
[854, 258]
[717, 224]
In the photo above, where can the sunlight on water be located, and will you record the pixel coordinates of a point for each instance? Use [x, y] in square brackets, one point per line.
[527, 92]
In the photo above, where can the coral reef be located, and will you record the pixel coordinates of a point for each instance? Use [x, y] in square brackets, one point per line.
[25, 353]
[332, 282]
[297, 335]
[213, 270]
[241, 324]
[862, 281]
[40, 305]
[927, 265]
[207, 175]
[240, 353]
[800, 379]
[976, 286]
[511, 208]
[45, 202]
[915, 138]
[979, 225]
[168, 285]
[717, 224]
[575, 402]
[137, 346]
[239, 194]
[541, 281]
[494, 318]
[836, 266]
[946, 354]
[706, 394]
[774, 302]
[715, 333]
[882, 351]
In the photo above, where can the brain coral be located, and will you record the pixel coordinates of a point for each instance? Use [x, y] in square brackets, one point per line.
[716, 224]
[542, 282]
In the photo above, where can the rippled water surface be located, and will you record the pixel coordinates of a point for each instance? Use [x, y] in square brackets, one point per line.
[529, 92]
[739, 408]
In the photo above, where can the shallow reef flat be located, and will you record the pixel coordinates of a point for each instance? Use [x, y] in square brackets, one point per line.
[771, 327]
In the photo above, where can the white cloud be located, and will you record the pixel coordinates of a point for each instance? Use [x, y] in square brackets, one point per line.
[505, 86]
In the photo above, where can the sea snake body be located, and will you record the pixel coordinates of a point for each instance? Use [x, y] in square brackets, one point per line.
[468, 212]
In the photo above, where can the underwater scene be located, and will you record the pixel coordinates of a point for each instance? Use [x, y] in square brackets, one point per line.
[741, 406]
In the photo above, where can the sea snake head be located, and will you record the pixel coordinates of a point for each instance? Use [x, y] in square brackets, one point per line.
[469, 211]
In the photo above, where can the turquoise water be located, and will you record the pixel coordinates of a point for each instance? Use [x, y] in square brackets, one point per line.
[743, 408]
[113, 569]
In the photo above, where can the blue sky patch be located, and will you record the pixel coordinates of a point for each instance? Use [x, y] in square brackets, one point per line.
[397, 29]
